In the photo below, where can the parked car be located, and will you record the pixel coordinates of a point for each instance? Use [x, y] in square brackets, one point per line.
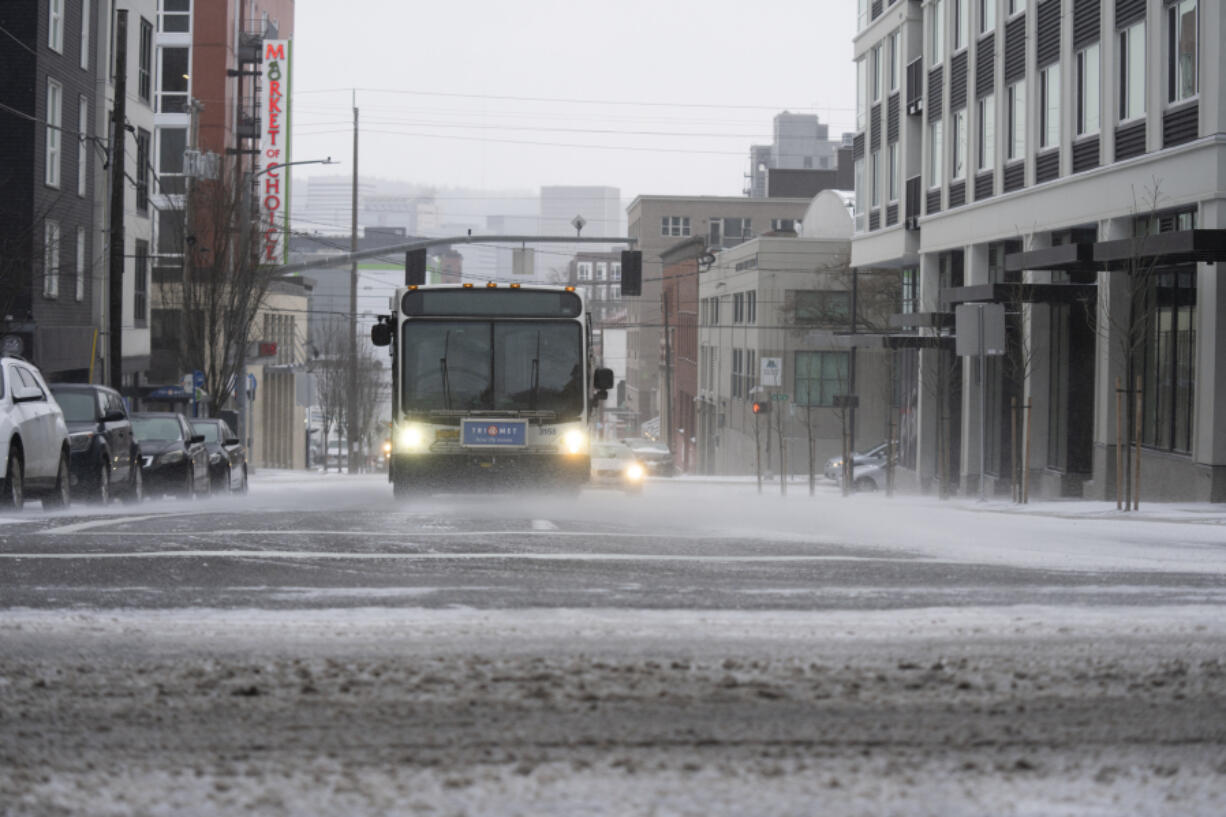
[654, 455]
[227, 455]
[104, 458]
[33, 439]
[615, 465]
[873, 456]
[173, 457]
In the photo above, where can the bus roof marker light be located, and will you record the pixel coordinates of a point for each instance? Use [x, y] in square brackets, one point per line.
[514, 286]
[491, 285]
[468, 286]
[570, 289]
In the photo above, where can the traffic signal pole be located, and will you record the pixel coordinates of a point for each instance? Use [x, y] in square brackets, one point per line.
[757, 448]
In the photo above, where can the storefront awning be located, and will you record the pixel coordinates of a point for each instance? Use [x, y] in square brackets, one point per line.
[1064, 258]
[918, 341]
[1019, 293]
[922, 320]
[1145, 252]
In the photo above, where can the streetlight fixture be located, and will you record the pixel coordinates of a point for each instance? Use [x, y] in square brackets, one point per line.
[272, 167]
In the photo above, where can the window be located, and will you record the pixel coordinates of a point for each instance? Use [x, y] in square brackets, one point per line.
[727, 232]
[51, 259]
[1015, 136]
[55, 26]
[936, 33]
[875, 179]
[141, 171]
[85, 26]
[140, 284]
[909, 289]
[738, 307]
[1088, 88]
[960, 24]
[81, 269]
[678, 226]
[1016, 6]
[1049, 106]
[936, 152]
[171, 144]
[819, 377]
[784, 225]
[822, 307]
[987, 132]
[861, 208]
[170, 232]
[1132, 72]
[602, 271]
[987, 15]
[895, 172]
[751, 307]
[861, 14]
[959, 142]
[895, 60]
[877, 78]
[144, 80]
[176, 15]
[1167, 359]
[55, 135]
[715, 311]
[82, 146]
[173, 93]
[738, 364]
[1181, 44]
[861, 90]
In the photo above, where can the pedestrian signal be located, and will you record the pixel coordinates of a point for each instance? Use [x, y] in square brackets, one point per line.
[761, 407]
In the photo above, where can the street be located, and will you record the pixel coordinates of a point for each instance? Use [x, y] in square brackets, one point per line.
[315, 648]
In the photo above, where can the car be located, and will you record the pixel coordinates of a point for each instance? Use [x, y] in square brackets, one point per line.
[227, 455]
[870, 477]
[615, 465]
[34, 452]
[173, 456]
[654, 455]
[104, 458]
[873, 456]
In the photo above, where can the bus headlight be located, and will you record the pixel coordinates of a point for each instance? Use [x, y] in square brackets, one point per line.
[635, 472]
[574, 441]
[412, 438]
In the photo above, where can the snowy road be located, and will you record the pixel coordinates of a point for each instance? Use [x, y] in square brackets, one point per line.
[312, 649]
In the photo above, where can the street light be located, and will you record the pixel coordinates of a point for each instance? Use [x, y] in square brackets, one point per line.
[278, 166]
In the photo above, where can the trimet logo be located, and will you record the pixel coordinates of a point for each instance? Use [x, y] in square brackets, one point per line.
[492, 431]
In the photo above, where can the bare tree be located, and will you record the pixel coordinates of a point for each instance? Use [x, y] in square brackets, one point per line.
[332, 377]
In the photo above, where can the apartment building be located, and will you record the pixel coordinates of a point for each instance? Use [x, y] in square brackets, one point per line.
[1061, 158]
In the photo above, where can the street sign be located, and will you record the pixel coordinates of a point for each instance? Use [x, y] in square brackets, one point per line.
[771, 371]
[979, 329]
[198, 379]
[779, 397]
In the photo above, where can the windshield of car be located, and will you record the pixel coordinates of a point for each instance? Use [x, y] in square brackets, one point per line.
[209, 430]
[156, 428]
[607, 451]
[78, 406]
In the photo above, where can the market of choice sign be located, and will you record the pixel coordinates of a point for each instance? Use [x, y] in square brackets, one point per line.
[274, 152]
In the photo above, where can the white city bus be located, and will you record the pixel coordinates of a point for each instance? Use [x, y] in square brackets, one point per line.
[491, 386]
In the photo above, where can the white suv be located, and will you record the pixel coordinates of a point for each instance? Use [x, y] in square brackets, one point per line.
[33, 438]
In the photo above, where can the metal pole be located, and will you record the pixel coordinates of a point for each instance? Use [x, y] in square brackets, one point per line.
[757, 448]
[352, 410]
[983, 411]
[119, 125]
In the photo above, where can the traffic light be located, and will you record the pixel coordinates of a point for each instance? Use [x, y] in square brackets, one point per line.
[632, 272]
[761, 407]
[415, 267]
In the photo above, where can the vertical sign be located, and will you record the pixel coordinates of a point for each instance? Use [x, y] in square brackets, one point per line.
[272, 176]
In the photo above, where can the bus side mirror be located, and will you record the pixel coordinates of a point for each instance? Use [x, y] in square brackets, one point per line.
[381, 334]
[603, 379]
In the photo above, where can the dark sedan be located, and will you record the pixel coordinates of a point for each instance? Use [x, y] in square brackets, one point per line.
[173, 456]
[227, 455]
[104, 457]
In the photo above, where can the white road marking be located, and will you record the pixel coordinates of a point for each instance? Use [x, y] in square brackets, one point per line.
[113, 520]
[288, 555]
[543, 524]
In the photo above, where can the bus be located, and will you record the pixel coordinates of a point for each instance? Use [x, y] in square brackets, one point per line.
[491, 386]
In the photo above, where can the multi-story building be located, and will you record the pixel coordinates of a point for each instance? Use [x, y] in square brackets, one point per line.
[598, 276]
[1062, 158]
[51, 146]
[799, 142]
[658, 223]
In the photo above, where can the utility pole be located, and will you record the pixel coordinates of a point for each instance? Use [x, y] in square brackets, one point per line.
[119, 123]
[668, 376]
[352, 410]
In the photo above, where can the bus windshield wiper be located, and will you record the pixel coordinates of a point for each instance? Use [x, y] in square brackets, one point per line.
[536, 373]
[442, 366]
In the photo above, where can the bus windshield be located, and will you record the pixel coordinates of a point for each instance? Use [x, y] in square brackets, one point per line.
[511, 366]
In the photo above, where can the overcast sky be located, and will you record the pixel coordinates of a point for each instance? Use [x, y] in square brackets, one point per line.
[659, 97]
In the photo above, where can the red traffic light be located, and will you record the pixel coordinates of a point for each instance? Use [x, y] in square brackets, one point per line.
[761, 407]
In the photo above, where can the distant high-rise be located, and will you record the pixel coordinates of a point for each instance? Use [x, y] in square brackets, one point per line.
[800, 142]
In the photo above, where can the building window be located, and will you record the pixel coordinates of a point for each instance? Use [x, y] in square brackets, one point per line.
[140, 285]
[51, 259]
[1049, 106]
[141, 171]
[1132, 72]
[176, 16]
[55, 135]
[171, 144]
[174, 84]
[85, 35]
[751, 307]
[960, 24]
[584, 271]
[1167, 359]
[55, 26]
[144, 80]
[895, 60]
[82, 146]
[821, 307]
[819, 377]
[715, 311]
[738, 307]
[1088, 89]
[875, 179]
[1181, 45]
[895, 171]
[81, 269]
[1016, 135]
[784, 225]
[678, 226]
[738, 363]
[987, 15]
[861, 91]
[936, 33]
[861, 14]
[936, 153]
[861, 208]
[959, 142]
[877, 78]
[987, 132]
[909, 289]
[1016, 6]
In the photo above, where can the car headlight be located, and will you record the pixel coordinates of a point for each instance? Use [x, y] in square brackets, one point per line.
[634, 472]
[574, 441]
[80, 441]
[170, 456]
[411, 438]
